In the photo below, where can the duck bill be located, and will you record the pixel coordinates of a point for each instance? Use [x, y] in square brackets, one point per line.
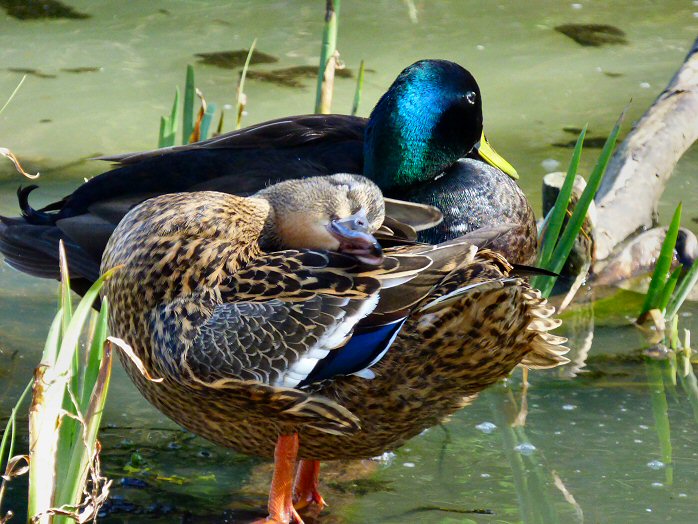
[354, 239]
[489, 155]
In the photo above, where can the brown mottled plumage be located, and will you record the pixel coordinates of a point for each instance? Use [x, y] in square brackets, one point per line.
[215, 303]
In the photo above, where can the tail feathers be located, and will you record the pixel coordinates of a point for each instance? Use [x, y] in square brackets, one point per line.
[547, 350]
[33, 249]
[31, 215]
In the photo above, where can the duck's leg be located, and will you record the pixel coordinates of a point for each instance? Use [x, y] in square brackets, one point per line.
[281, 510]
[305, 490]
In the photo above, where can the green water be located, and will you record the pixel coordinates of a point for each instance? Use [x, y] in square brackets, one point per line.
[595, 432]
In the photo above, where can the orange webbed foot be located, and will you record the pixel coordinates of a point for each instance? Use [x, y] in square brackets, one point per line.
[305, 489]
[281, 510]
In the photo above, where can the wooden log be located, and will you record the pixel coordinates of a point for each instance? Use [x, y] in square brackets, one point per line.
[639, 170]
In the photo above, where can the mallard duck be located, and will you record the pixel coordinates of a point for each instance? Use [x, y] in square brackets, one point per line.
[414, 145]
[276, 324]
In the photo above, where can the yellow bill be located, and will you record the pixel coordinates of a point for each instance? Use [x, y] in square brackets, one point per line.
[489, 155]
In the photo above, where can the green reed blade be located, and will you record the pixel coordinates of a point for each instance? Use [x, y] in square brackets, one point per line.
[241, 98]
[94, 356]
[56, 468]
[557, 215]
[162, 134]
[668, 290]
[219, 128]
[663, 265]
[188, 109]
[574, 224]
[13, 94]
[207, 119]
[70, 490]
[9, 429]
[67, 307]
[174, 115]
[359, 90]
[329, 46]
[8, 437]
[682, 290]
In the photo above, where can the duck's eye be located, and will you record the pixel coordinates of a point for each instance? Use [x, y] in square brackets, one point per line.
[471, 96]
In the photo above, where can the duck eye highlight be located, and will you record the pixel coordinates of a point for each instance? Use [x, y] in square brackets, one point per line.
[470, 96]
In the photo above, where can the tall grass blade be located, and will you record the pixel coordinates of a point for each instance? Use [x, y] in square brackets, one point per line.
[668, 290]
[219, 128]
[8, 441]
[168, 124]
[663, 265]
[164, 129]
[323, 94]
[557, 215]
[359, 90]
[241, 99]
[188, 109]
[174, 115]
[13, 94]
[207, 119]
[84, 450]
[44, 417]
[61, 444]
[95, 355]
[574, 224]
[196, 132]
[684, 287]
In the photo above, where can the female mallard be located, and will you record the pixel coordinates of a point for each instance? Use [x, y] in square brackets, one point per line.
[413, 146]
[280, 327]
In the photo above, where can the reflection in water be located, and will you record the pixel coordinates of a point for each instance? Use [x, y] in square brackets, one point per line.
[579, 330]
[532, 480]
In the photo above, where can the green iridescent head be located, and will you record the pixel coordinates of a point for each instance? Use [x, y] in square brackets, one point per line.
[429, 118]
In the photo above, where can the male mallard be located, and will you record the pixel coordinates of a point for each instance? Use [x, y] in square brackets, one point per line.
[413, 146]
[279, 327]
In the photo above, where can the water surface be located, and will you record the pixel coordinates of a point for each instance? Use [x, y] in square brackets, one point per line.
[595, 434]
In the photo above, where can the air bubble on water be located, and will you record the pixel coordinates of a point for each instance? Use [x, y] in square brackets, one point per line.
[656, 464]
[657, 485]
[408, 464]
[550, 164]
[525, 448]
[486, 427]
[485, 475]
[569, 407]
